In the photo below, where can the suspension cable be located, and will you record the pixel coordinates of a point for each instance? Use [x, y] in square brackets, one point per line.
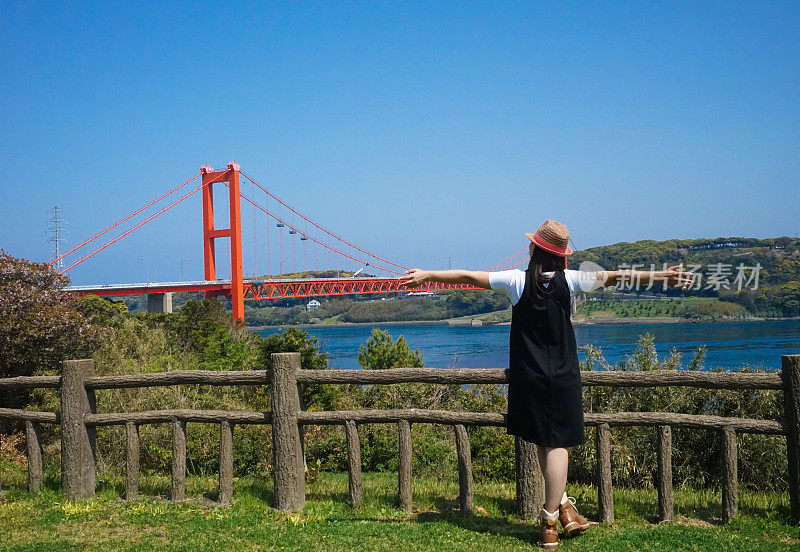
[342, 239]
[168, 207]
[123, 220]
[313, 239]
[522, 260]
[153, 202]
[521, 251]
[320, 227]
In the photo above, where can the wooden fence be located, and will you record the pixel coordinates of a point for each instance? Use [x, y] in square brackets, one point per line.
[79, 419]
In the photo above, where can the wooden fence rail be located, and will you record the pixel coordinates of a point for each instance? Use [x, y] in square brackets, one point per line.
[79, 419]
[682, 378]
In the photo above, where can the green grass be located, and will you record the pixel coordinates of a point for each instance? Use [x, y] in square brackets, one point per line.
[45, 521]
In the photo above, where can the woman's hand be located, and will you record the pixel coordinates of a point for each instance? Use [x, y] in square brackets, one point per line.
[676, 277]
[414, 278]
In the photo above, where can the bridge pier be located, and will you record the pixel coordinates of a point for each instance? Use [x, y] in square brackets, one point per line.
[159, 302]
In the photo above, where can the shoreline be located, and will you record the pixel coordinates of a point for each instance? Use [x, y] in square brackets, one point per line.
[669, 320]
[469, 322]
[356, 324]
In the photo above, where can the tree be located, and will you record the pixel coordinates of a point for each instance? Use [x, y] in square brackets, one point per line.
[206, 329]
[99, 310]
[381, 352]
[293, 340]
[39, 323]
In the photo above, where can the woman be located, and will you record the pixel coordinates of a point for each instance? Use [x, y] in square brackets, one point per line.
[545, 404]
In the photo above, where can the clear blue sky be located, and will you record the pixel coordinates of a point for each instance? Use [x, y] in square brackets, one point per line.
[419, 132]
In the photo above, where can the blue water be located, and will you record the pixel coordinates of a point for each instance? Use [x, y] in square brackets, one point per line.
[729, 345]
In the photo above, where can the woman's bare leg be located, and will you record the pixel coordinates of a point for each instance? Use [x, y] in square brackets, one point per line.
[554, 463]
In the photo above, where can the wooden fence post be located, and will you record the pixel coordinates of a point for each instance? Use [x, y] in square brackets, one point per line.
[131, 460]
[664, 459]
[301, 428]
[77, 440]
[730, 475]
[178, 487]
[530, 485]
[466, 494]
[34, 453]
[225, 462]
[790, 374]
[353, 462]
[605, 492]
[290, 482]
[404, 464]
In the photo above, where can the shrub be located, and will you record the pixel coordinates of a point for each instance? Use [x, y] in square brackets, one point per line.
[39, 323]
[192, 338]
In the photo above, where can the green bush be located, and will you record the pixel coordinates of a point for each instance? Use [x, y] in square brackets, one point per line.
[201, 336]
[382, 352]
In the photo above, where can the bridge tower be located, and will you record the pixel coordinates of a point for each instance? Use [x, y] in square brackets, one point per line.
[233, 232]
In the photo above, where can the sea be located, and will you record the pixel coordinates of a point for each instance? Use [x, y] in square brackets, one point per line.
[729, 345]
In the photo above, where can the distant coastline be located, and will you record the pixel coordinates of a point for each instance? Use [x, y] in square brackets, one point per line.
[668, 320]
[575, 322]
[355, 324]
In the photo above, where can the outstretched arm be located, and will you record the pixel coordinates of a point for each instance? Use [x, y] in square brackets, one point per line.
[416, 277]
[674, 276]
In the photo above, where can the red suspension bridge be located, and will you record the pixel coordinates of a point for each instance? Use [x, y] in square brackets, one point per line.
[285, 218]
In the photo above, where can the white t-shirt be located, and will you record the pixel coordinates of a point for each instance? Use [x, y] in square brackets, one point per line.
[513, 281]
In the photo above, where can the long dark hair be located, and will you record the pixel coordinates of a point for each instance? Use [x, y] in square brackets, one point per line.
[543, 261]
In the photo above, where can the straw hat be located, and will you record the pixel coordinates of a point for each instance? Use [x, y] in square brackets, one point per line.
[552, 236]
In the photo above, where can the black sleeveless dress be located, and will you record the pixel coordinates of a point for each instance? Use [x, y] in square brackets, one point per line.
[545, 402]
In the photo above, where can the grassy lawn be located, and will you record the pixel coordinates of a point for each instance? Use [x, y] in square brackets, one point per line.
[45, 521]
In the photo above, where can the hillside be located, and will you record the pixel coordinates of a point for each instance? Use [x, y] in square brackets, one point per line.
[776, 293]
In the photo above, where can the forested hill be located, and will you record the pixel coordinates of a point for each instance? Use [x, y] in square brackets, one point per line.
[778, 291]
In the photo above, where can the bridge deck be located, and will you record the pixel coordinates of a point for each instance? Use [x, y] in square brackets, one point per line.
[257, 289]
